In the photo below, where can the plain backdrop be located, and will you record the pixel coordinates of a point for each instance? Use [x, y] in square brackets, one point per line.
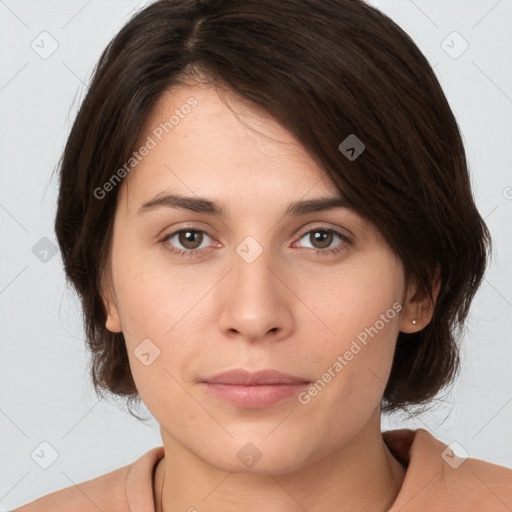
[46, 395]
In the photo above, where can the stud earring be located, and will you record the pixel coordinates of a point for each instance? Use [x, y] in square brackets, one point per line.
[413, 322]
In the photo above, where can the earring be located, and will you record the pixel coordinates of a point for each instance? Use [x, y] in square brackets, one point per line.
[413, 322]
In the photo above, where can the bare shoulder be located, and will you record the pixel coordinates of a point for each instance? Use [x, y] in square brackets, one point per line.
[105, 492]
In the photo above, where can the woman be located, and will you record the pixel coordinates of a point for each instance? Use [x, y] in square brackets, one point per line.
[266, 211]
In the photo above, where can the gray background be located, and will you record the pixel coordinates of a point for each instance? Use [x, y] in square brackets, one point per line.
[46, 395]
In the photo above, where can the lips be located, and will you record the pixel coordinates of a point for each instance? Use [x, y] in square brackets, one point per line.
[253, 390]
[243, 377]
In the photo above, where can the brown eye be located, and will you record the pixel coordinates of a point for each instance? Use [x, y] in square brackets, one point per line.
[321, 239]
[186, 242]
[189, 239]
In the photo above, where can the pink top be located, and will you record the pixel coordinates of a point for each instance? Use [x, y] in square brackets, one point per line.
[435, 480]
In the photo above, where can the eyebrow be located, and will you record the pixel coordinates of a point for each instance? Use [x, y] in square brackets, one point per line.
[211, 207]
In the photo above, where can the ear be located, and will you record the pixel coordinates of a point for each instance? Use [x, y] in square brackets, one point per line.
[113, 324]
[418, 310]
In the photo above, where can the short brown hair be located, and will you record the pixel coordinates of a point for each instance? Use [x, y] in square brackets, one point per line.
[324, 69]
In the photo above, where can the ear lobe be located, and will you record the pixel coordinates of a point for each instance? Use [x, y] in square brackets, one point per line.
[112, 323]
[418, 311]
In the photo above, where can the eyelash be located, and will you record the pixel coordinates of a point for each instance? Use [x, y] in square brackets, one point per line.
[324, 252]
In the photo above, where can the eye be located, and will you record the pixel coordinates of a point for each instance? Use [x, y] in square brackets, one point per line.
[322, 237]
[188, 242]
[189, 239]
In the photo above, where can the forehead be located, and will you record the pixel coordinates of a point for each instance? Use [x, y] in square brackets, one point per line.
[212, 142]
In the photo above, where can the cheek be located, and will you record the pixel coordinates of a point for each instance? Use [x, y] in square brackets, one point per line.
[153, 297]
[162, 316]
[353, 298]
[361, 308]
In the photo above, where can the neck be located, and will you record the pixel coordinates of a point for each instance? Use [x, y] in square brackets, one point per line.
[361, 476]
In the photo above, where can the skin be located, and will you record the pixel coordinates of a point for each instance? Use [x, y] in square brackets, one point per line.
[291, 309]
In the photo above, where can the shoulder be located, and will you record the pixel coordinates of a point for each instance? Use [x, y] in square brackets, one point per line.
[439, 479]
[481, 484]
[110, 491]
[106, 492]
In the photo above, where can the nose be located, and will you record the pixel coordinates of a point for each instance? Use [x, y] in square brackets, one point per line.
[256, 300]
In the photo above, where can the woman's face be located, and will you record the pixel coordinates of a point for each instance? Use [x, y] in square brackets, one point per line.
[258, 287]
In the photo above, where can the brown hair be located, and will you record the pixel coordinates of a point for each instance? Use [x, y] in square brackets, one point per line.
[324, 69]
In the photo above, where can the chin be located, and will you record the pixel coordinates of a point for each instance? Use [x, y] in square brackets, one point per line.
[257, 455]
